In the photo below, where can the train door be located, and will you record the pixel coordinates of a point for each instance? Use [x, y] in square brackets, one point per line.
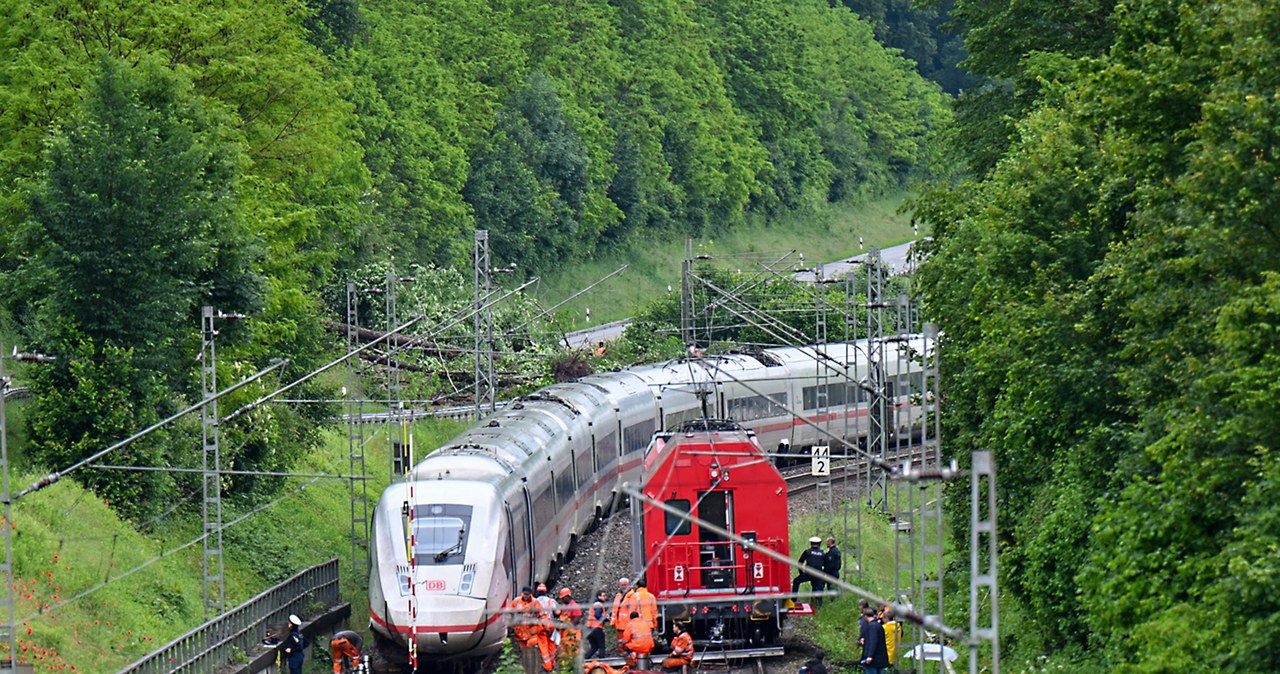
[511, 556]
[525, 535]
[595, 450]
[715, 552]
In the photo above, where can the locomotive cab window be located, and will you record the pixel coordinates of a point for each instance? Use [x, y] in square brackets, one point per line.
[676, 525]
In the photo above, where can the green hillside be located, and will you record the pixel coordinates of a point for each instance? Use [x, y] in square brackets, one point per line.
[260, 158]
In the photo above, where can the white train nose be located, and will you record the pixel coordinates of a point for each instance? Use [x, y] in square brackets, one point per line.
[449, 624]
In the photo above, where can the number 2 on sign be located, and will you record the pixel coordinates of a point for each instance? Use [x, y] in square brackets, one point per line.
[821, 460]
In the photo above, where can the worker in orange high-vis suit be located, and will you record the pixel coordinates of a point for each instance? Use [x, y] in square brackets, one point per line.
[570, 616]
[530, 631]
[681, 648]
[646, 604]
[637, 639]
[621, 611]
[345, 649]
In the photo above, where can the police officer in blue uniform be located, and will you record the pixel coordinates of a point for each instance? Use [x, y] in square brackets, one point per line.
[811, 558]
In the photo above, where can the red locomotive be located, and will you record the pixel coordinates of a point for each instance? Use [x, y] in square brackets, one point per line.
[726, 593]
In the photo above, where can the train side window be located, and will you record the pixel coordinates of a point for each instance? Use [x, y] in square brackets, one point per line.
[676, 525]
[564, 488]
[636, 437]
[544, 507]
[520, 532]
[582, 466]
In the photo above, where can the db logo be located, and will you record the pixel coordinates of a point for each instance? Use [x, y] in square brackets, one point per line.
[433, 585]
[678, 574]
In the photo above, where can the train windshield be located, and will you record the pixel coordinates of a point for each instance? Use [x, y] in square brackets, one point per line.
[440, 533]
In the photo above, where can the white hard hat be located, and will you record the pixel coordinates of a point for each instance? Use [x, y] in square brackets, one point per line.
[295, 620]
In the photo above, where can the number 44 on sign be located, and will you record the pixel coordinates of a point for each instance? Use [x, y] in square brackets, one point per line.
[821, 460]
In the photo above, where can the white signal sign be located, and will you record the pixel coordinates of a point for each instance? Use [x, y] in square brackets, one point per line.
[821, 460]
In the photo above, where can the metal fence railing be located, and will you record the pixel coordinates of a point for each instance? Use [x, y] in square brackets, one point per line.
[237, 631]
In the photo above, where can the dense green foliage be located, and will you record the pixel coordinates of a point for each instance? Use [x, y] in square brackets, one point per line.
[925, 33]
[1109, 296]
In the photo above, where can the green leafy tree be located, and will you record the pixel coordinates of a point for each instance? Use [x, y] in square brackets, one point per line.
[529, 179]
[132, 220]
[136, 213]
[1108, 337]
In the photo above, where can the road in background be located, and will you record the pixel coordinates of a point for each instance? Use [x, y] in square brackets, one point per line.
[899, 259]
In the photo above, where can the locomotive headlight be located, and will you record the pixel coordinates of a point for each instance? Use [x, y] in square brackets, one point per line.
[464, 586]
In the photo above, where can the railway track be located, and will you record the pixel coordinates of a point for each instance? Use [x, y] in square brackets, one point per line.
[801, 479]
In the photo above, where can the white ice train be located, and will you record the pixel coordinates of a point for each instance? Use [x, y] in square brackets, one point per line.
[502, 504]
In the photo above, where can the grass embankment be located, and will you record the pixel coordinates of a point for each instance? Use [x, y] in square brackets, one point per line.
[828, 234]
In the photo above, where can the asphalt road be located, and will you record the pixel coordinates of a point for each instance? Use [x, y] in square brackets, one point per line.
[898, 259]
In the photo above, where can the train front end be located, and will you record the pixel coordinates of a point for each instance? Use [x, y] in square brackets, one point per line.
[447, 597]
[725, 591]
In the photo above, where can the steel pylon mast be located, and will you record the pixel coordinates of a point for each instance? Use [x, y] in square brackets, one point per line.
[357, 482]
[852, 504]
[687, 308]
[485, 389]
[214, 592]
[876, 388]
[931, 518]
[983, 561]
[10, 636]
[824, 524]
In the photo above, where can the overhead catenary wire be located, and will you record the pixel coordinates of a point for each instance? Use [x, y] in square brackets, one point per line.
[58, 475]
[168, 553]
[354, 352]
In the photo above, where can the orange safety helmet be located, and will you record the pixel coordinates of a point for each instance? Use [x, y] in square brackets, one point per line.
[565, 592]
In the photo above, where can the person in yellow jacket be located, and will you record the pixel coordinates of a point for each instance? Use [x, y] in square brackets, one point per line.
[892, 635]
[681, 648]
[636, 640]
